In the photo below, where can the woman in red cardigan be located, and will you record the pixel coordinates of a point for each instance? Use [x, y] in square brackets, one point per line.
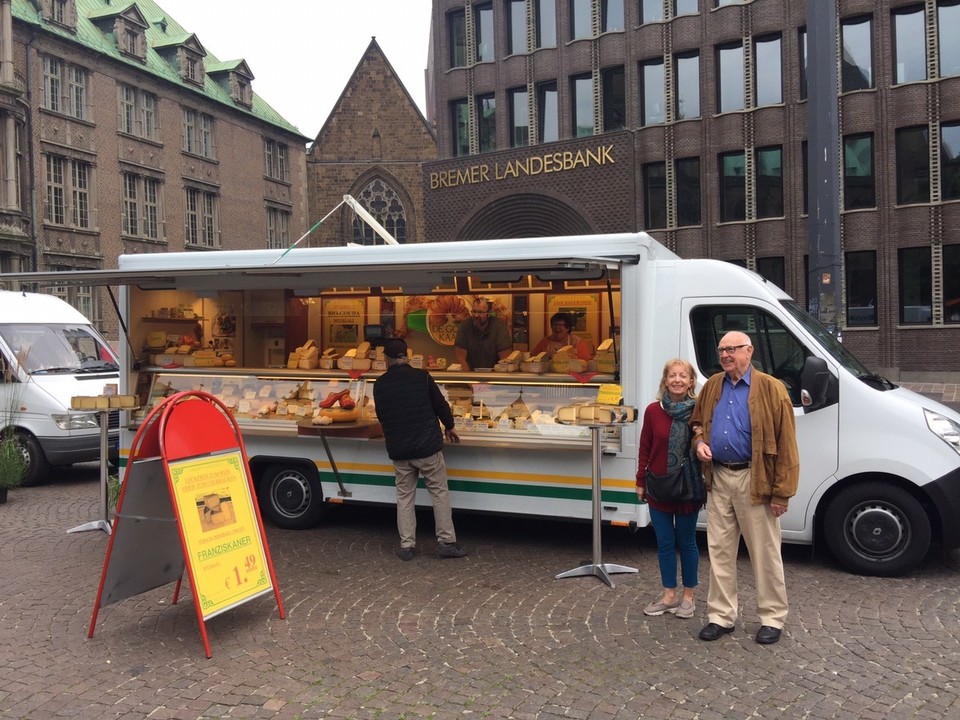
[664, 443]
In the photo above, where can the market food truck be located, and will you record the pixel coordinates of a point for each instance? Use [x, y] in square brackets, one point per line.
[277, 336]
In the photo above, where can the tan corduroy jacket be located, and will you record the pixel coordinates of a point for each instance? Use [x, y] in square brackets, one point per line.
[775, 461]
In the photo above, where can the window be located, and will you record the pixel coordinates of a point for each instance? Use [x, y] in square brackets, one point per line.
[913, 165]
[805, 178]
[278, 228]
[546, 23]
[548, 113]
[858, 182]
[730, 83]
[769, 163]
[458, 39]
[202, 223]
[141, 206]
[191, 67]
[614, 100]
[381, 201]
[581, 19]
[483, 27]
[612, 14]
[688, 191]
[58, 12]
[732, 187]
[58, 75]
[687, 77]
[856, 68]
[197, 133]
[915, 286]
[582, 105]
[909, 52]
[772, 269]
[138, 112]
[487, 122]
[951, 283]
[519, 118]
[460, 120]
[518, 26]
[861, 287]
[651, 11]
[803, 63]
[948, 20]
[950, 161]
[653, 93]
[655, 196]
[68, 189]
[686, 7]
[275, 156]
[769, 74]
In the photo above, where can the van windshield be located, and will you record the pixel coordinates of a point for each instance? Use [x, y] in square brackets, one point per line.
[60, 348]
[828, 341]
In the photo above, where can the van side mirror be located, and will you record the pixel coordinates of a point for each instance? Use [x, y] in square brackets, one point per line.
[814, 380]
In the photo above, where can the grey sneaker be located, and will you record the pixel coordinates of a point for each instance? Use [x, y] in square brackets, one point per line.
[659, 607]
[685, 609]
[450, 550]
[404, 553]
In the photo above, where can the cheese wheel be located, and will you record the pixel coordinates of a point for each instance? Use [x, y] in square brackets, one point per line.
[341, 415]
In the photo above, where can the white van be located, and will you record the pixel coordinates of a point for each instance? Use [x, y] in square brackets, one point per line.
[49, 353]
[880, 465]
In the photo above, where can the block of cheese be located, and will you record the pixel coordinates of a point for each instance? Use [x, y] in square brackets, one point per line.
[292, 360]
[351, 353]
[363, 349]
[605, 345]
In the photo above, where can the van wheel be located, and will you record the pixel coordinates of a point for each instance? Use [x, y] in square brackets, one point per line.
[37, 466]
[291, 496]
[874, 528]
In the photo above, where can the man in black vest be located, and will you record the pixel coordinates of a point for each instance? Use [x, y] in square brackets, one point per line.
[410, 408]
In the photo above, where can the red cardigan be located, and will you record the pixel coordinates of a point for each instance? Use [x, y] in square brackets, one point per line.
[653, 455]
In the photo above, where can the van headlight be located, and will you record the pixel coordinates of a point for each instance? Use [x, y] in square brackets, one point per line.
[78, 421]
[943, 427]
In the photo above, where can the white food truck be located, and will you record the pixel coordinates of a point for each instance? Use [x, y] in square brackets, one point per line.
[271, 335]
[49, 353]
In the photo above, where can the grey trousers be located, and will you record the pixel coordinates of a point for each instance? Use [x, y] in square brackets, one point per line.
[434, 472]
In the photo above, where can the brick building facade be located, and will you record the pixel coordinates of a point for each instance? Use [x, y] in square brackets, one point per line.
[372, 146]
[123, 134]
[703, 103]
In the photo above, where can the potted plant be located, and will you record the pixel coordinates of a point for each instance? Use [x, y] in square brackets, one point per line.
[13, 464]
[13, 459]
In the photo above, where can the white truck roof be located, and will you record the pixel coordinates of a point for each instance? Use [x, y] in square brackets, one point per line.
[39, 308]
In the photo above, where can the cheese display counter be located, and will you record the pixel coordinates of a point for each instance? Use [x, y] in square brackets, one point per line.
[495, 409]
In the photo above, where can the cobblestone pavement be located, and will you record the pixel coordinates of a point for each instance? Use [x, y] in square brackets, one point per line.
[493, 635]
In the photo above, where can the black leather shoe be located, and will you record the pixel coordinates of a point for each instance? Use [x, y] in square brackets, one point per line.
[712, 631]
[767, 635]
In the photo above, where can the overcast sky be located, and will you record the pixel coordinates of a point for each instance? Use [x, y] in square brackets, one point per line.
[302, 52]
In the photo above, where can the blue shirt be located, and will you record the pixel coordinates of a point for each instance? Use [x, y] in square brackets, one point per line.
[730, 438]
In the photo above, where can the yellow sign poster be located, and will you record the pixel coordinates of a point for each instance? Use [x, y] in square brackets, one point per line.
[342, 322]
[223, 545]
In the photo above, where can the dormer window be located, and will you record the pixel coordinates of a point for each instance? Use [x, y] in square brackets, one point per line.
[59, 12]
[126, 25]
[235, 78]
[191, 67]
[131, 41]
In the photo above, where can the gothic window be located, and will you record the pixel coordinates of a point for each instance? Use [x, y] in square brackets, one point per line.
[385, 205]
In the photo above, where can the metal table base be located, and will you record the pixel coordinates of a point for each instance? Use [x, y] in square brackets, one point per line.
[597, 568]
[103, 522]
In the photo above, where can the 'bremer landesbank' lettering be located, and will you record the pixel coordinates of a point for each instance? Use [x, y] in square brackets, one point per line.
[531, 166]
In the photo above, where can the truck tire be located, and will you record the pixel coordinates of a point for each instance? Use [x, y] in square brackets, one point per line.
[290, 496]
[37, 466]
[874, 528]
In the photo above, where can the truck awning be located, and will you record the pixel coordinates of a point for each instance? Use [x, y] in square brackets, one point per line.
[416, 268]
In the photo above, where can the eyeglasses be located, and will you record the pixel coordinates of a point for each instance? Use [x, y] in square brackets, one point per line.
[729, 349]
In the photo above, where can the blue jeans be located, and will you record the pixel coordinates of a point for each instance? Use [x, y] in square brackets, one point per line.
[675, 531]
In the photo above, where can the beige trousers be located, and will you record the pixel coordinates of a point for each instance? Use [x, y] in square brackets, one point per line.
[730, 515]
[434, 472]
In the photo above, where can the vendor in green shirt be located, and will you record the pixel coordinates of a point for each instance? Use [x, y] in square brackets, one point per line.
[482, 340]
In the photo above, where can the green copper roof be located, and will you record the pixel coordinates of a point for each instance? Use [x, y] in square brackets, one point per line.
[162, 32]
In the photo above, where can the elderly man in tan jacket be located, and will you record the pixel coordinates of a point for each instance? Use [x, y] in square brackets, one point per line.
[745, 436]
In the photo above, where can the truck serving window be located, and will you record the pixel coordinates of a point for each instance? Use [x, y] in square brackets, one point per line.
[775, 352]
